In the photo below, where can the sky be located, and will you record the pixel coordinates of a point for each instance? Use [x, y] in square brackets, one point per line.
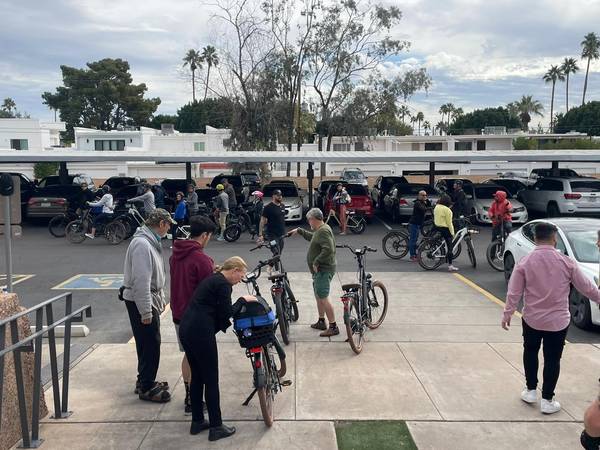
[478, 53]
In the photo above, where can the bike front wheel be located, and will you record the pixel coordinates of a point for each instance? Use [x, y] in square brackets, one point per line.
[58, 224]
[495, 255]
[115, 232]
[265, 393]
[295, 315]
[395, 245]
[378, 304]
[282, 320]
[75, 232]
[429, 254]
[471, 251]
[354, 326]
[232, 232]
[358, 226]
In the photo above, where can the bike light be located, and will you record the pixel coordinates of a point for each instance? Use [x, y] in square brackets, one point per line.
[255, 350]
[257, 364]
[572, 196]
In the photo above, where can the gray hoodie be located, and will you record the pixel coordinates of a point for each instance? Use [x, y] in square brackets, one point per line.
[144, 273]
[148, 199]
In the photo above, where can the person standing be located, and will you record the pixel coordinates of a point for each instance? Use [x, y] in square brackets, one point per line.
[459, 200]
[108, 207]
[222, 205]
[272, 221]
[443, 221]
[421, 207]
[230, 191]
[208, 313]
[143, 287]
[500, 213]
[341, 199]
[192, 200]
[543, 280]
[189, 267]
[147, 198]
[322, 265]
[180, 214]
[257, 210]
[159, 195]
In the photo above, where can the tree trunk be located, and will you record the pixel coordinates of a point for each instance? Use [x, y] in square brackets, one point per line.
[290, 131]
[552, 108]
[193, 87]
[567, 92]
[207, 78]
[586, 80]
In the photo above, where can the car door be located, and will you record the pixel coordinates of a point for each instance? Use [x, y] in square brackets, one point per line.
[534, 196]
[524, 242]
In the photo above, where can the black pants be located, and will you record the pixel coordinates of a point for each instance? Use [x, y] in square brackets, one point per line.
[147, 345]
[202, 354]
[445, 232]
[554, 342]
[497, 230]
[588, 442]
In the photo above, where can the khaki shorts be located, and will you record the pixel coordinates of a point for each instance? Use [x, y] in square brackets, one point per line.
[222, 220]
[322, 284]
[178, 340]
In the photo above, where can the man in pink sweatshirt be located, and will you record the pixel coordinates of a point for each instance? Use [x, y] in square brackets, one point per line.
[543, 279]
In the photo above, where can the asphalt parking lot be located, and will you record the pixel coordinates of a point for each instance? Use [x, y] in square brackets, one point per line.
[52, 262]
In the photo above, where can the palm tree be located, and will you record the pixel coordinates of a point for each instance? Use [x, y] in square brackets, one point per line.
[413, 120]
[590, 50]
[569, 66]
[553, 75]
[444, 110]
[426, 126]
[441, 126]
[527, 106]
[420, 117]
[8, 105]
[456, 113]
[403, 111]
[451, 109]
[209, 56]
[194, 60]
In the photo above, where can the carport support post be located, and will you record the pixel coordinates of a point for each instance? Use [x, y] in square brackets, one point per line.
[310, 174]
[432, 173]
[188, 172]
[555, 171]
[63, 172]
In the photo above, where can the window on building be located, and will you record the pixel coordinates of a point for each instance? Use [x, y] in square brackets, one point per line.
[359, 146]
[226, 143]
[481, 145]
[463, 146]
[19, 144]
[109, 145]
[198, 146]
[341, 147]
[433, 146]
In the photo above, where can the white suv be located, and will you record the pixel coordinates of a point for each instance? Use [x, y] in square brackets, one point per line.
[558, 196]
[354, 176]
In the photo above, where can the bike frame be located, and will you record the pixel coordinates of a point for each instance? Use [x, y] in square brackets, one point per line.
[458, 238]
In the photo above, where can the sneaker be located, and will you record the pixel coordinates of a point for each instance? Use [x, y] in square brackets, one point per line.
[221, 432]
[343, 233]
[529, 396]
[319, 325]
[199, 427]
[220, 239]
[414, 259]
[88, 235]
[452, 268]
[549, 407]
[330, 332]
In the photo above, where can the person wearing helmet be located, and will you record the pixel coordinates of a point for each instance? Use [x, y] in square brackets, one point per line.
[499, 212]
[257, 209]
[107, 204]
[459, 200]
[192, 200]
[147, 198]
[222, 205]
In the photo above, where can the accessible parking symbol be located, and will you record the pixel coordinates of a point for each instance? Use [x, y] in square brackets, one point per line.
[85, 281]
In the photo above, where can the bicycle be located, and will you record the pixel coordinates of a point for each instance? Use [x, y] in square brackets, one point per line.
[395, 242]
[365, 303]
[432, 251]
[58, 224]
[355, 222]
[131, 220]
[286, 305]
[114, 231]
[239, 222]
[260, 343]
[495, 250]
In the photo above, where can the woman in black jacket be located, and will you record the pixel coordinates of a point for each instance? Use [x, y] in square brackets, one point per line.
[208, 313]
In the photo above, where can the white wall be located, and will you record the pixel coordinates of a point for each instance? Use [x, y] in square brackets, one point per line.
[39, 135]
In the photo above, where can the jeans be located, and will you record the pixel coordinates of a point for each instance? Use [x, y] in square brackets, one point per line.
[147, 345]
[554, 342]
[414, 230]
[496, 230]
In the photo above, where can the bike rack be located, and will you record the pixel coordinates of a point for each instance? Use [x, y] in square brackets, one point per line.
[34, 343]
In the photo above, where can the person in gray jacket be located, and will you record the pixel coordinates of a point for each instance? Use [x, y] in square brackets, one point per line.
[147, 198]
[143, 292]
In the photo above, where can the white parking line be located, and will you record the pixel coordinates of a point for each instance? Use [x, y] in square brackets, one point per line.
[384, 224]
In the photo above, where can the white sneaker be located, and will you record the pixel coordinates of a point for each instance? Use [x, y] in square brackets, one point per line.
[549, 407]
[88, 235]
[452, 268]
[220, 239]
[529, 396]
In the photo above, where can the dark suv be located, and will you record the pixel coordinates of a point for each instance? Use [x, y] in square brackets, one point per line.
[382, 186]
[243, 184]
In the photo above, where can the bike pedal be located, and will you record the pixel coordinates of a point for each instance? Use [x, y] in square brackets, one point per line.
[286, 383]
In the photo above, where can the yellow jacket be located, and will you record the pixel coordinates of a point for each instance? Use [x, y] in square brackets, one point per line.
[442, 217]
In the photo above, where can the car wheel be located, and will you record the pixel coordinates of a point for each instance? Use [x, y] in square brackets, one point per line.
[509, 265]
[579, 307]
[552, 210]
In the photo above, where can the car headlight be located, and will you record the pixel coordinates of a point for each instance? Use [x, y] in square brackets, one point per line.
[521, 209]
[297, 204]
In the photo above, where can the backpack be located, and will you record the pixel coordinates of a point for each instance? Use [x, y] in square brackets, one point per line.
[253, 322]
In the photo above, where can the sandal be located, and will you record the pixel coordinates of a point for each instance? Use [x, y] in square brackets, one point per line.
[157, 395]
[163, 384]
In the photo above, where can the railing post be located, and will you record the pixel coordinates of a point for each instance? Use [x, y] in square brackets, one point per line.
[66, 358]
[53, 361]
[26, 443]
[2, 341]
[37, 381]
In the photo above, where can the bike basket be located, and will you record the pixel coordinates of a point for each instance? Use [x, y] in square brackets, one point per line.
[255, 336]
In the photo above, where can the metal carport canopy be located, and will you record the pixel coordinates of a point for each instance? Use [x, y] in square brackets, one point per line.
[73, 155]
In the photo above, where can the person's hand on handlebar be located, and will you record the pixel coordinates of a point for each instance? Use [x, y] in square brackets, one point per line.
[292, 232]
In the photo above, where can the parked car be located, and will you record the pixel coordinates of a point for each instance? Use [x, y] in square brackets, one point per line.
[28, 189]
[250, 183]
[122, 195]
[382, 187]
[50, 201]
[320, 192]
[235, 180]
[480, 196]
[399, 202]
[446, 185]
[360, 199]
[117, 183]
[171, 187]
[577, 239]
[545, 173]
[511, 185]
[294, 207]
[355, 176]
[77, 179]
[557, 196]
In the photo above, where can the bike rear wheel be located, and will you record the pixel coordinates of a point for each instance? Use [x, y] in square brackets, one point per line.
[75, 231]
[471, 251]
[495, 255]
[354, 326]
[378, 304]
[395, 244]
[294, 316]
[357, 226]
[265, 393]
[58, 224]
[115, 232]
[232, 232]
[281, 317]
[426, 256]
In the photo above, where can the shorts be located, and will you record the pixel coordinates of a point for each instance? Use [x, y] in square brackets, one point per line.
[178, 340]
[322, 283]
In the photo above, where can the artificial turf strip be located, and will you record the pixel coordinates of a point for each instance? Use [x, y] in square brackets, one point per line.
[374, 435]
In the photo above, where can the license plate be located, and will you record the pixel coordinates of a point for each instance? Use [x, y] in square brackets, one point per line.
[46, 205]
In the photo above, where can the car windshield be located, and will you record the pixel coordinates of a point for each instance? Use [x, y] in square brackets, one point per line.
[413, 189]
[251, 178]
[389, 182]
[488, 192]
[356, 189]
[584, 246]
[353, 175]
[585, 186]
[286, 190]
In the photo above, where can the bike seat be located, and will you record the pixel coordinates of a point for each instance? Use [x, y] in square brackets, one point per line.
[351, 287]
[277, 276]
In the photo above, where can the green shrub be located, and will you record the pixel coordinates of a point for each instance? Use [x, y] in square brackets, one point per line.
[41, 170]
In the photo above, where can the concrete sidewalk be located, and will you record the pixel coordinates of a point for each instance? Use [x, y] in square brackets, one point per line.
[440, 361]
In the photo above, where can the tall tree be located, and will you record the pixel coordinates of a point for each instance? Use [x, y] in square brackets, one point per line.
[210, 57]
[568, 67]
[193, 59]
[101, 96]
[527, 106]
[590, 49]
[553, 75]
[481, 118]
[8, 105]
[420, 117]
[426, 126]
[441, 127]
[403, 112]
[445, 109]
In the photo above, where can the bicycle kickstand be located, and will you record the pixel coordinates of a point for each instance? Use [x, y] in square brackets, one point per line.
[247, 401]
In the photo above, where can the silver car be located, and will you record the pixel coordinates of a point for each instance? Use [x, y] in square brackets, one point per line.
[400, 201]
[480, 198]
[556, 196]
[292, 200]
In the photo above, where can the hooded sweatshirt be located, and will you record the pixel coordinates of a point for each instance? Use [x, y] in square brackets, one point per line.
[189, 266]
[500, 207]
[144, 275]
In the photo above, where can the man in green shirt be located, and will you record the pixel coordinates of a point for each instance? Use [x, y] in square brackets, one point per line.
[321, 263]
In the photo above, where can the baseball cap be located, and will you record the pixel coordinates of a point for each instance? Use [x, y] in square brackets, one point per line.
[160, 214]
[220, 187]
[277, 192]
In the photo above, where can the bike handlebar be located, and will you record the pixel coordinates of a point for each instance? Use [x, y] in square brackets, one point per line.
[358, 251]
[258, 268]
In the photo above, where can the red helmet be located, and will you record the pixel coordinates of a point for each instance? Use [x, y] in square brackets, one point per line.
[258, 194]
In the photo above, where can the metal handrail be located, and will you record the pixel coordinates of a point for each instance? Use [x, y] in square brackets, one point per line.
[21, 345]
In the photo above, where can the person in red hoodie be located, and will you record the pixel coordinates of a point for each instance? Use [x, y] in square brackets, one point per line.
[189, 266]
[499, 212]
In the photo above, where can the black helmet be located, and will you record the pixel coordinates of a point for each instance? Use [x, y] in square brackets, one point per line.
[106, 189]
